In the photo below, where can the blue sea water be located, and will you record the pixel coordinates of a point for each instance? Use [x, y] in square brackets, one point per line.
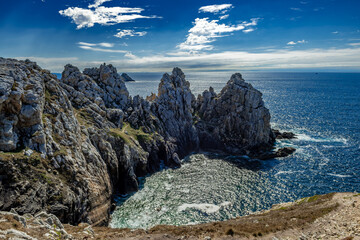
[323, 109]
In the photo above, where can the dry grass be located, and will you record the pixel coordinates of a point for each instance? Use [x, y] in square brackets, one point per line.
[129, 134]
[297, 215]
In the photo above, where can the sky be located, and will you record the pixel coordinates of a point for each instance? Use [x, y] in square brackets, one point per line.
[195, 35]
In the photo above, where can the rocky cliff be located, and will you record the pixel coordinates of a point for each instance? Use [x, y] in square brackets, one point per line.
[68, 145]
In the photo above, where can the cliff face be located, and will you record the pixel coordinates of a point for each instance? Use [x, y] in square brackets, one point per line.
[68, 145]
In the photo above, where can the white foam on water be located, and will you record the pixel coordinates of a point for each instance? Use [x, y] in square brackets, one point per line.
[204, 207]
[224, 204]
[287, 172]
[339, 175]
[168, 186]
[308, 138]
[185, 190]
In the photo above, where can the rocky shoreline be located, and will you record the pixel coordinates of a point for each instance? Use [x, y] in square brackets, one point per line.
[68, 145]
[330, 216]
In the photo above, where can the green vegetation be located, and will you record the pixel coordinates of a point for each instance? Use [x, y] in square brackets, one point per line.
[46, 178]
[313, 198]
[14, 86]
[20, 154]
[129, 134]
[50, 97]
[84, 117]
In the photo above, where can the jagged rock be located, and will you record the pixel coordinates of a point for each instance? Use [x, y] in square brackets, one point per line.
[173, 107]
[90, 138]
[282, 152]
[235, 120]
[283, 135]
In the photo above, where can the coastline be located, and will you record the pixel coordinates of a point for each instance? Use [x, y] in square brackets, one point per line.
[330, 216]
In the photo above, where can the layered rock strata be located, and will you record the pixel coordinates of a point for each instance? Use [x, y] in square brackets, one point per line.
[68, 145]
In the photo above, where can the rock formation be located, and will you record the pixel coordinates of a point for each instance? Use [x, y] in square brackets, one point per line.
[68, 145]
[235, 120]
[127, 78]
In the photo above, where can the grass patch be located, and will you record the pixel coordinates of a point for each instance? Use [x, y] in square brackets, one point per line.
[62, 151]
[20, 155]
[84, 117]
[50, 97]
[129, 134]
[313, 198]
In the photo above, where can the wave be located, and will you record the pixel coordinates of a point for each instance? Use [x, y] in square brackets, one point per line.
[203, 207]
[339, 175]
[287, 172]
[308, 138]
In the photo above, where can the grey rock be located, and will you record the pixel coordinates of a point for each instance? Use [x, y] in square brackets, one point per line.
[99, 140]
[127, 78]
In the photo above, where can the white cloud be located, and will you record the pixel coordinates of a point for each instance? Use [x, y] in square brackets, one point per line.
[298, 42]
[224, 17]
[336, 32]
[130, 33]
[296, 9]
[95, 13]
[223, 8]
[98, 3]
[248, 30]
[354, 44]
[103, 44]
[97, 47]
[206, 31]
[235, 60]
[331, 59]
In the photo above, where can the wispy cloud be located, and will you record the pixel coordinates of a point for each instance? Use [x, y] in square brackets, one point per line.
[336, 32]
[298, 42]
[345, 58]
[103, 44]
[107, 47]
[234, 60]
[129, 33]
[218, 8]
[95, 49]
[206, 31]
[248, 30]
[95, 13]
[97, 3]
[355, 44]
[296, 9]
[318, 9]
[224, 17]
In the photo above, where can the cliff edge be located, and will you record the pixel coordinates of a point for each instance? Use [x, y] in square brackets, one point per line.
[68, 145]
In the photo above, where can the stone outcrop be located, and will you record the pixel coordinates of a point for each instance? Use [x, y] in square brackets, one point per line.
[68, 145]
[127, 78]
[235, 120]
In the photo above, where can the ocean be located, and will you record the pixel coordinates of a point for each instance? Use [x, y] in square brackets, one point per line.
[323, 109]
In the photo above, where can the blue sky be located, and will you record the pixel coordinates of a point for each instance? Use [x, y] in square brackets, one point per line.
[278, 35]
